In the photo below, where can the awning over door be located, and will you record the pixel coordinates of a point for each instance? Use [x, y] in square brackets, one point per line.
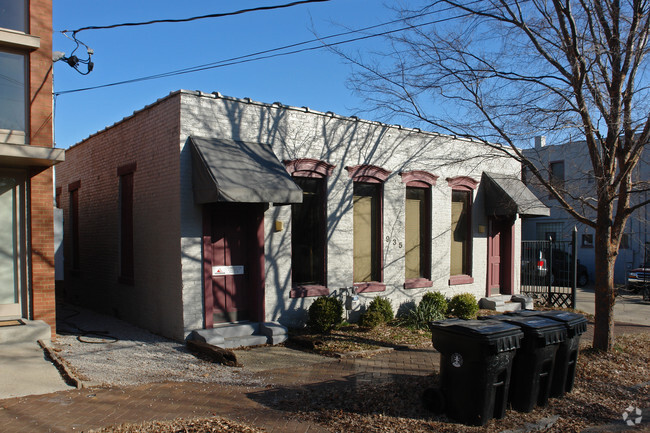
[225, 170]
[507, 195]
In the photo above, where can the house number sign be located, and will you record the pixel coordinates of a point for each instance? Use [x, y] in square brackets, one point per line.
[227, 270]
[393, 241]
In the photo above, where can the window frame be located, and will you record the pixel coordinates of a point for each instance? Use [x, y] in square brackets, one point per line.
[24, 28]
[421, 180]
[556, 182]
[372, 175]
[73, 193]
[308, 168]
[16, 136]
[126, 204]
[465, 185]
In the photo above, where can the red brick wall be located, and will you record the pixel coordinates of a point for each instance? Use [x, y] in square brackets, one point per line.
[151, 140]
[41, 192]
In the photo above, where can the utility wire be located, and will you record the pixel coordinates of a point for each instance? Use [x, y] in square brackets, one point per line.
[259, 55]
[183, 20]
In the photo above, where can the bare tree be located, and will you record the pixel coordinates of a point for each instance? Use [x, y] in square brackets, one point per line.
[503, 71]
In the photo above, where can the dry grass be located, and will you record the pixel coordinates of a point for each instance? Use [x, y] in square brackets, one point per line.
[198, 425]
[606, 384]
[352, 338]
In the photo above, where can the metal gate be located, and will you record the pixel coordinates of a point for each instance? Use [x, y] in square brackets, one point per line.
[548, 271]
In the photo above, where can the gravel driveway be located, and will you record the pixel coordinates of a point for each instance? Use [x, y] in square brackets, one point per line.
[102, 350]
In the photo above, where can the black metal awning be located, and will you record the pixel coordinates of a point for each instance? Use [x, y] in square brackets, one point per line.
[226, 170]
[507, 195]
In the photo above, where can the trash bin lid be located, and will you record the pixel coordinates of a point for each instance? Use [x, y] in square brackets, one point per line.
[498, 335]
[549, 330]
[575, 323]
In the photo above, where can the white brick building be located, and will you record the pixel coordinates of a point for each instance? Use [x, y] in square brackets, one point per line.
[149, 241]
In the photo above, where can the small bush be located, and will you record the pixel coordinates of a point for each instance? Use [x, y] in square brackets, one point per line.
[382, 306]
[371, 319]
[433, 306]
[435, 301]
[325, 313]
[463, 306]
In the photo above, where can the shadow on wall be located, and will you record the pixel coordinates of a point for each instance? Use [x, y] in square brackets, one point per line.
[342, 142]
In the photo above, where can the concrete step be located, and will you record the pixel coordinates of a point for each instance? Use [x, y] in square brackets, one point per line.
[229, 330]
[509, 306]
[231, 335]
[244, 341]
[28, 331]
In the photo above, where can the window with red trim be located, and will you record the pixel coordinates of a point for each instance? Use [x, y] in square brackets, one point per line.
[417, 223]
[73, 189]
[367, 235]
[309, 227]
[126, 223]
[460, 269]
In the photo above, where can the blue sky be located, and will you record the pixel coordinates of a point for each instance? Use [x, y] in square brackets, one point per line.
[315, 78]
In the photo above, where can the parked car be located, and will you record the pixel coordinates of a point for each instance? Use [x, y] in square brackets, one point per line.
[561, 270]
[534, 269]
[638, 278]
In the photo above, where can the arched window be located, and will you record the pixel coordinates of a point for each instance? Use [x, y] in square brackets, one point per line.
[461, 229]
[367, 203]
[309, 228]
[417, 224]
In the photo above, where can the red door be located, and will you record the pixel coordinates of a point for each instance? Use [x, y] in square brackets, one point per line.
[233, 254]
[500, 273]
[494, 258]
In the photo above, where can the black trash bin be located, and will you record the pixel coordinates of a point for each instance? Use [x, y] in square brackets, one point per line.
[566, 358]
[532, 368]
[475, 364]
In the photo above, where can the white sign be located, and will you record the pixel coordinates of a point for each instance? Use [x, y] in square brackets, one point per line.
[227, 270]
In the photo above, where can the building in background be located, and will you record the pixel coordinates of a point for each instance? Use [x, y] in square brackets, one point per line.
[202, 209]
[569, 166]
[26, 159]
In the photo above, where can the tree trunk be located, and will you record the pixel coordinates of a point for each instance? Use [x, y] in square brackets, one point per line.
[604, 260]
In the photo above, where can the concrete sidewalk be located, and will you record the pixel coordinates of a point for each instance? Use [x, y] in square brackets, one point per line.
[627, 309]
[24, 370]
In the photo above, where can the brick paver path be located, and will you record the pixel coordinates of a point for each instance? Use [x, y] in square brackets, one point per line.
[81, 410]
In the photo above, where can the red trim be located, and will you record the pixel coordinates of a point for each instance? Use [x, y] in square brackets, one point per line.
[462, 182]
[208, 298]
[308, 290]
[460, 279]
[258, 278]
[368, 173]
[372, 286]
[417, 283]
[127, 168]
[308, 167]
[74, 185]
[419, 178]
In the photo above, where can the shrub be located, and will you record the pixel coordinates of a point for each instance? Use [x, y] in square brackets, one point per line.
[435, 301]
[325, 313]
[433, 306]
[382, 306]
[371, 319]
[463, 306]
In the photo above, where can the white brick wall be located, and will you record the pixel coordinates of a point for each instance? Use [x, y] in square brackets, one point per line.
[295, 133]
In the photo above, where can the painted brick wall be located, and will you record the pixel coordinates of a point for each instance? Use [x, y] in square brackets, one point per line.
[150, 140]
[41, 190]
[301, 133]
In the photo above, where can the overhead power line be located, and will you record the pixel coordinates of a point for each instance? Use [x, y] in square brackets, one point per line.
[266, 54]
[201, 17]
